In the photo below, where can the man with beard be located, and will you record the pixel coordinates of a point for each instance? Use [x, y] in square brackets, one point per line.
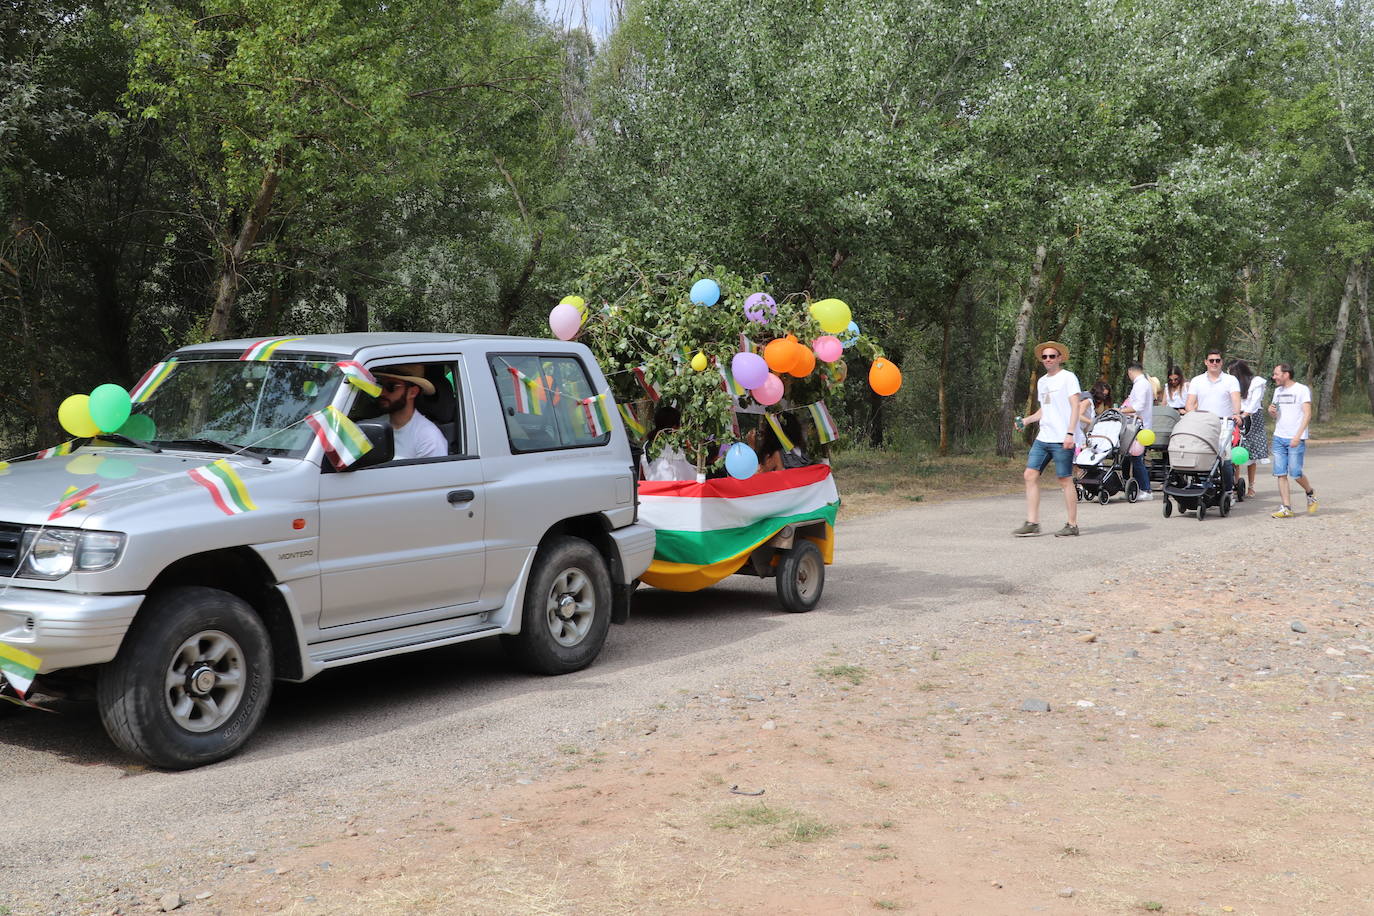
[416, 435]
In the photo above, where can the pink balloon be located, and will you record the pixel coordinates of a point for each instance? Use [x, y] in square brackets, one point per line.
[565, 320]
[749, 369]
[770, 392]
[827, 348]
[1137, 449]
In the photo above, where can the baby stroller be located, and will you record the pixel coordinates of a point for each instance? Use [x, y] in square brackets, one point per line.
[1104, 458]
[1157, 452]
[1195, 480]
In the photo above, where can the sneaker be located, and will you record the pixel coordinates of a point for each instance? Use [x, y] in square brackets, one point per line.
[1311, 505]
[1068, 531]
[1028, 530]
[1145, 497]
[1284, 512]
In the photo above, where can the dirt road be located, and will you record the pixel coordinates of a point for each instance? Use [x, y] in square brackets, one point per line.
[1206, 746]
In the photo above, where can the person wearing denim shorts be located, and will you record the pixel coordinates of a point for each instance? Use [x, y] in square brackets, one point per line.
[1057, 393]
[1292, 408]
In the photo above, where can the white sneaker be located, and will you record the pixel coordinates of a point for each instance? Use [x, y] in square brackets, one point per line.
[1144, 497]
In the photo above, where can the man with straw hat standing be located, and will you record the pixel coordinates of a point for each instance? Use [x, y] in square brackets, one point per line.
[1057, 393]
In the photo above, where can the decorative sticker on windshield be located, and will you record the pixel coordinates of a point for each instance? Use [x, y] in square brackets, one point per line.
[151, 380]
[263, 349]
[226, 487]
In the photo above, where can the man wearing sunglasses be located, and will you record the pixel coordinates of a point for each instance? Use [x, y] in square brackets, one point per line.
[1219, 393]
[416, 435]
[1057, 392]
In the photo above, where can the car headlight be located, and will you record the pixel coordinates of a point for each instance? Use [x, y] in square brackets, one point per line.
[51, 553]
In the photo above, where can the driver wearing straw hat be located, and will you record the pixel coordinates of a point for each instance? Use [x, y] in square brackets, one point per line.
[1057, 391]
[416, 435]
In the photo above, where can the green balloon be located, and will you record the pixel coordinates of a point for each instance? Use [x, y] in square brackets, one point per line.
[140, 426]
[1240, 455]
[110, 407]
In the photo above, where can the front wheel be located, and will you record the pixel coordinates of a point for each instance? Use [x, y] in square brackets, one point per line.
[801, 577]
[1201, 508]
[567, 609]
[1168, 507]
[1132, 491]
[191, 681]
[1241, 491]
[1225, 508]
[1103, 496]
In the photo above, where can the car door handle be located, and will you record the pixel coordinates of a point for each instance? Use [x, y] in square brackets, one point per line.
[458, 497]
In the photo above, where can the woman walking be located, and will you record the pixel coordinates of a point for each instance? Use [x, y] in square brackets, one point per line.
[1253, 419]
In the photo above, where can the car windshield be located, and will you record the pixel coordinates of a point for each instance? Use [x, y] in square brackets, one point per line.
[246, 404]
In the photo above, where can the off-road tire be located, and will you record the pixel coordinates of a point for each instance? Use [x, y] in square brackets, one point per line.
[567, 569]
[137, 704]
[800, 577]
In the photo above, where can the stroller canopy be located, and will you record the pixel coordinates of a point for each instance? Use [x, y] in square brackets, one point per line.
[1193, 444]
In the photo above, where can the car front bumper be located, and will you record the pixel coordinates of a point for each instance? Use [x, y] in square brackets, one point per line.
[64, 629]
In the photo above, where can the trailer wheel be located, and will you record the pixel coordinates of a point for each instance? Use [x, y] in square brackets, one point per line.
[801, 577]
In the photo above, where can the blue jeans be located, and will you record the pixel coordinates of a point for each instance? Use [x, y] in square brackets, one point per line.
[1140, 472]
[1042, 452]
[1287, 456]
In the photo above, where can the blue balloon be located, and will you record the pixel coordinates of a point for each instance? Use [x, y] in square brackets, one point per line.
[741, 462]
[850, 336]
[705, 292]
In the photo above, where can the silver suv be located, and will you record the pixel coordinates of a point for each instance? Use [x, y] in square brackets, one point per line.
[221, 549]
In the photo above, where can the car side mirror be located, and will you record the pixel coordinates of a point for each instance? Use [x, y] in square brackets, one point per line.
[383, 439]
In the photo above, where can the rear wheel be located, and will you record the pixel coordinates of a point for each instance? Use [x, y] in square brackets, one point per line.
[1132, 491]
[191, 681]
[1168, 507]
[801, 577]
[567, 609]
[1103, 496]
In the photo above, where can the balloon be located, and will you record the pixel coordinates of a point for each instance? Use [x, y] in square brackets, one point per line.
[699, 362]
[1146, 437]
[805, 363]
[828, 348]
[770, 392]
[564, 321]
[832, 315]
[850, 335]
[884, 377]
[109, 406]
[85, 464]
[759, 306]
[576, 302]
[740, 461]
[749, 369]
[75, 416]
[140, 426]
[780, 354]
[1240, 455]
[116, 469]
[1137, 449]
[705, 292]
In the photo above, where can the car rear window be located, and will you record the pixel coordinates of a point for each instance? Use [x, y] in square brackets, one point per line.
[548, 402]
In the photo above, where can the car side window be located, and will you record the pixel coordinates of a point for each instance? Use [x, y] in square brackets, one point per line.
[548, 402]
[444, 408]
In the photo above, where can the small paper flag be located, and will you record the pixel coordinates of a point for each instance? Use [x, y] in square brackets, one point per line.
[72, 499]
[19, 668]
[56, 451]
[225, 486]
[826, 431]
[357, 375]
[597, 413]
[151, 381]
[344, 443]
[526, 392]
[640, 373]
[632, 422]
[785, 442]
[264, 349]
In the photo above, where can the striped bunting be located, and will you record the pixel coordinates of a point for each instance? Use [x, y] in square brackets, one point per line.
[56, 451]
[706, 523]
[526, 392]
[641, 376]
[356, 374]
[19, 668]
[264, 349]
[783, 440]
[632, 422]
[826, 430]
[225, 486]
[72, 499]
[728, 383]
[597, 413]
[151, 381]
[344, 443]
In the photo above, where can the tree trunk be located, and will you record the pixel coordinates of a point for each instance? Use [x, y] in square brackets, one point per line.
[1366, 338]
[356, 318]
[227, 284]
[1109, 346]
[1333, 361]
[942, 397]
[1018, 350]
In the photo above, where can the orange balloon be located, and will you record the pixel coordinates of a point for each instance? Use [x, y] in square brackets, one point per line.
[884, 377]
[780, 354]
[806, 362]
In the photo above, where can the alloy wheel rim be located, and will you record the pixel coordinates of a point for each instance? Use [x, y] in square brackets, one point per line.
[570, 607]
[204, 681]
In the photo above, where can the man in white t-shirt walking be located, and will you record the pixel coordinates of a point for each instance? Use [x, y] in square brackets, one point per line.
[1141, 403]
[1292, 406]
[1057, 393]
[416, 435]
[1218, 392]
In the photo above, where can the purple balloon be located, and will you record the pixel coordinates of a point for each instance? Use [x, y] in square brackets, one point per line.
[749, 369]
[758, 306]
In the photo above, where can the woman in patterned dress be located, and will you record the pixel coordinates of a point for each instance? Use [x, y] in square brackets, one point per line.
[1254, 420]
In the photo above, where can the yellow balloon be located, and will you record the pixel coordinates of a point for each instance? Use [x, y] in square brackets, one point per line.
[576, 302]
[75, 416]
[832, 315]
[1145, 437]
[699, 362]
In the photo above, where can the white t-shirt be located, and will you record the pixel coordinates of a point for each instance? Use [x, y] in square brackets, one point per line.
[1215, 397]
[419, 438]
[1142, 400]
[1053, 392]
[1254, 400]
[1289, 401]
[1178, 400]
[670, 465]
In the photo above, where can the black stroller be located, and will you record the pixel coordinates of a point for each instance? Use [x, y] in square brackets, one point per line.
[1157, 452]
[1104, 458]
[1195, 481]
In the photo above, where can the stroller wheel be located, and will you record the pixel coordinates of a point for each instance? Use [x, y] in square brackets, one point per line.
[1225, 508]
[1079, 490]
[1240, 491]
[1132, 491]
[1168, 507]
[1201, 509]
[1103, 496]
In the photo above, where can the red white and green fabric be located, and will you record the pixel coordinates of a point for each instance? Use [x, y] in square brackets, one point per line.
[632, 421]
[264, 349]
[641, 374]
[783, 440]
[344, 443]
[151, 381]
[19, 668]
[225, 486]
[706, 523]
[526, 392]
[597, 414]
[357, 375]
[72, 499]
